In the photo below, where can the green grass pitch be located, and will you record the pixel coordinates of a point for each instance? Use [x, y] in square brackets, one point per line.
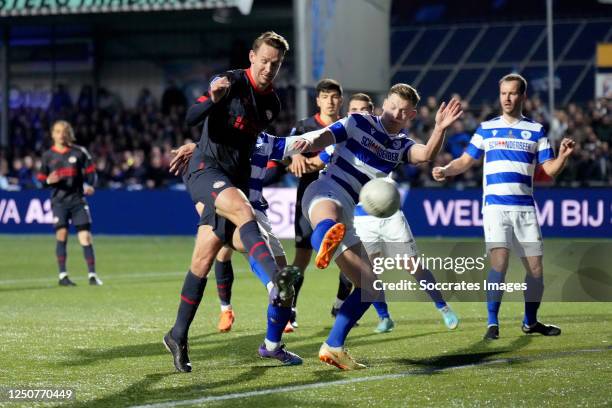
[105, 342]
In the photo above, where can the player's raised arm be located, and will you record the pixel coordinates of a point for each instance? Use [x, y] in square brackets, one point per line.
[219, 87]
[457, 166]
[553, 166]
[445, 117]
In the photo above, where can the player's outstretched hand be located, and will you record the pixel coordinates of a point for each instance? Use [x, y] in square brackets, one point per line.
[447, 114]
[219, 88]
[53, 178]
[181, 158]
[567, 147]
[298, 165]
[438, 174]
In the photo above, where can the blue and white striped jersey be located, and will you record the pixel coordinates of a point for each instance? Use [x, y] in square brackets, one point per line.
[364, 151]
[267, 147]
[511, 153]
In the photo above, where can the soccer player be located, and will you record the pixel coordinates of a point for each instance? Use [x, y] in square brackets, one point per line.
[68, 169]
[237, 107]
[329, 102]
[367, 147]
[268, 148]
[384, 237]
[513, 146]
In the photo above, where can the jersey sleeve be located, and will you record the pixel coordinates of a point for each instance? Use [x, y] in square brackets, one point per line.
[326, 154]
[476, 146]
[44, 171]
[88, 168]
[204, 104]
[545, 151]
[338, 129]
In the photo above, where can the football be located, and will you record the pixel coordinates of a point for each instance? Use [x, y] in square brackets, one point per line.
[380, 198]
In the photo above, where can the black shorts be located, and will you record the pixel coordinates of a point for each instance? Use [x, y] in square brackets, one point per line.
[303, 230]
[78, 212]
[204, 186]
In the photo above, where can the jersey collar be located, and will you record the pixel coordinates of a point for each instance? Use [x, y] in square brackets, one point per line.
[60, 151]
[264, 91]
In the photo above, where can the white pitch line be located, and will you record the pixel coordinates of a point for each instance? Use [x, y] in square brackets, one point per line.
[310, 386]
[121, 276]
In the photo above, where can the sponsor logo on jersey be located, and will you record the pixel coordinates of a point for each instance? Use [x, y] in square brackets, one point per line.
[72, 159]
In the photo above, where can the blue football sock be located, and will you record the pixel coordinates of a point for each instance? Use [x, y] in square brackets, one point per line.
[277, 320]
[494, 296]
[434, 294]
[382, 309]
[351, 311]
[319, 232]
[533, 297]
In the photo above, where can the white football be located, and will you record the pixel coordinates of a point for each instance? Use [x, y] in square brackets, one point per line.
[380, 198]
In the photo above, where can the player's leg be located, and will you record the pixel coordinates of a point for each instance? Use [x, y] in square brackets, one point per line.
[345, 286]
[60, 223]
[232, 204]
[280, 295]
[61, 241]
[499, 237]
[528, 244]
[355, 264]
[328, 232]
[81, 218]
[224, 275]
[369, 230]
[303, 254]
[206, 246]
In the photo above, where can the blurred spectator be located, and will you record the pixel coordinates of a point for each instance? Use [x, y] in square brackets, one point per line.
[172, 97]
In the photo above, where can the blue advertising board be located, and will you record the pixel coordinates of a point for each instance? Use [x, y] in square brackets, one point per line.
[585, 213]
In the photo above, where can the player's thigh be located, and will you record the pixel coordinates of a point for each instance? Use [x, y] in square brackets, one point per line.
[321, 201]
[81, 219]
[527, 234]
[498, 229]
[397, 237]
[368, 229]
[234, 205]
[61, 216]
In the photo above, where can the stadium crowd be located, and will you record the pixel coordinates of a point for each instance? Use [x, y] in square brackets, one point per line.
[131, 145]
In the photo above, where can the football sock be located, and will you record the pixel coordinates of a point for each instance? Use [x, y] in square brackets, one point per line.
[260, 258]
[319, 232]
[278, 317]
[224, 274]
[533, 297]
[382, 309]
[494, 296]
[344, 288]
[88, 253]
[350, 312]
[434, 294]
[60, 253]
[191, 295]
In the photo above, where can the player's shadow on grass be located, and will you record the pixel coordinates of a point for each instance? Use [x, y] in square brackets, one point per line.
[146, 390]
[478, 353]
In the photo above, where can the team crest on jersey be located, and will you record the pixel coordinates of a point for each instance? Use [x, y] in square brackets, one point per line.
[397, 144]
[218, 184]
[268, 114]
[525, 134]
[72, 159]
[494, 132]
[510, 133]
